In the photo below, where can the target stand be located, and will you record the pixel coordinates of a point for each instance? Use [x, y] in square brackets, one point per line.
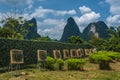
[16, 59]
[41, 55]
[66, 54]
[73, 53]
[57, 54]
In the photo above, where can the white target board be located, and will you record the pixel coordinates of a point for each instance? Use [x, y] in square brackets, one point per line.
[42, 55]
[80, 52]
[73, 53]
[16, 56]
[56, 54]
[66, 53]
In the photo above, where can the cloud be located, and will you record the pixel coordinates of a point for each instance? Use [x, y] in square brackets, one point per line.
[62, 13]
[41, 0]
[30, 3]
[87, 16]
[114, 18]
[114, 6]
[84, 9]
[18, 2]
[51, 22]
[48, 26]
[54, 27]
[3, 16]
[41, 12]
[51, 27]
[12, 2]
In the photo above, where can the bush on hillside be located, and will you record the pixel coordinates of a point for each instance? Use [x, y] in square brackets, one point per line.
[50, 63]
[114, 55]
[75, 64]
[59, 64]
[102, 59]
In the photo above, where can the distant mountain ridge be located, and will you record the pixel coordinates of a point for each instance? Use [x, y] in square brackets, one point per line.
[98, 29]
[71, 28]
[32, 31]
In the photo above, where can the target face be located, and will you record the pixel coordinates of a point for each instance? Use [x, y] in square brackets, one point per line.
[73, 53]
[80, 52]
[66, 53]
[16, 56]
[42, 55]
[56, 54]
[88, 51]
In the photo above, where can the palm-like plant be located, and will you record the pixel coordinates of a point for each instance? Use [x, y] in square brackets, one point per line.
[76, 39]
[14, 28]
[115, 34]
[114, 40]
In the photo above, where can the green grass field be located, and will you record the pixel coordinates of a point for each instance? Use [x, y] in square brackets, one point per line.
[91, 72]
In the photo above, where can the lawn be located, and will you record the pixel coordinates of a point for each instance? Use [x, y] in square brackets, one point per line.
[91, 72]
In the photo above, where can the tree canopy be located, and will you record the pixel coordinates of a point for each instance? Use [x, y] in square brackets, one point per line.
[13, 28]
[110, 44]
[76, 39]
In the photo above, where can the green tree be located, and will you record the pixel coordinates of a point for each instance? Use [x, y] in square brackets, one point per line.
[76, 39]
[43, 38]
[114, 41]
[13, 28]
[7, 33]
[115, 34]
[99, 43]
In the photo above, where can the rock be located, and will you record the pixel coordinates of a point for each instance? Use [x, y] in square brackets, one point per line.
[32, 30]
[98, 29]
[71, 29]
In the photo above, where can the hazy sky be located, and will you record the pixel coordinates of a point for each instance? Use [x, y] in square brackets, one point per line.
[51, 15]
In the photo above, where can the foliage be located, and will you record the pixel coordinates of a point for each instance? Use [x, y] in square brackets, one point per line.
[60, 63]
[7, 33]
[114, 41]
[13, 28]
[43, 38]
[75, 64]
[113, 55]
[103, 58]
[76, 39]
[50, 63]
[99, 56]
[99, 43]
[111, 44]
[30, 49]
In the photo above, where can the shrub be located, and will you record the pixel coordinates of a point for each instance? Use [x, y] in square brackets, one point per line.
[59, 64]
[102, 59]
[118, 57]
[114, 55]
[50, 63]
[103, 62]
[75, 64]
[93, 58]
